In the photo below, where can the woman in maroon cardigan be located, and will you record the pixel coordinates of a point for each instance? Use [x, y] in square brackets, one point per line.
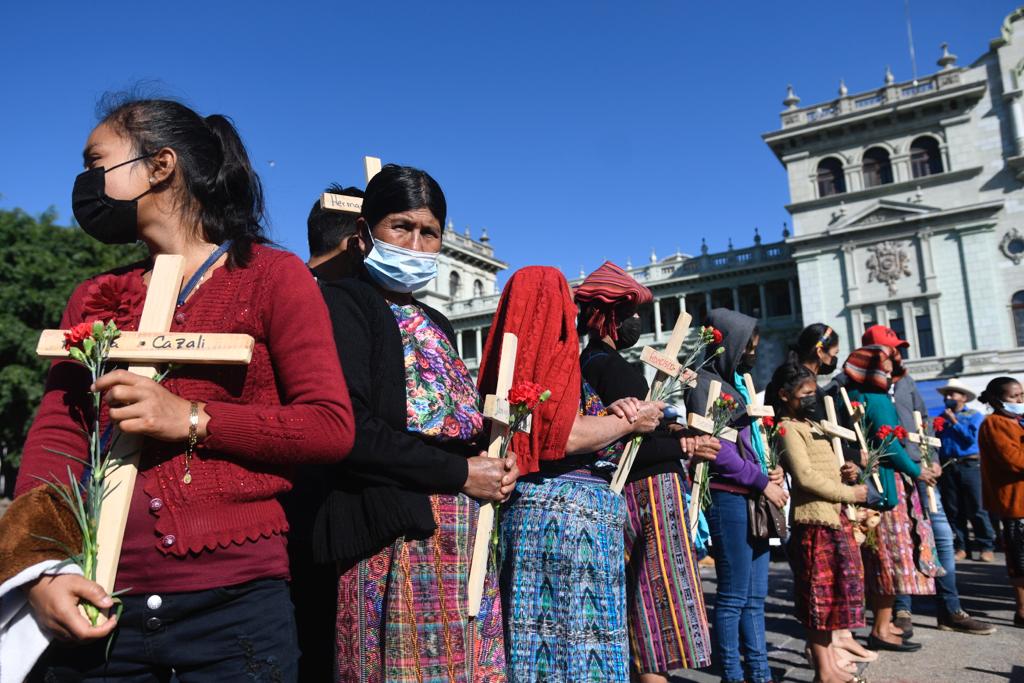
[204, 558]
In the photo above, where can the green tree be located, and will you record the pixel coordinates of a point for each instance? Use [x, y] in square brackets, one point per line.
[40, 265]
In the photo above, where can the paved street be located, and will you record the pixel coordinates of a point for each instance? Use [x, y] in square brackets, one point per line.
[945, 658]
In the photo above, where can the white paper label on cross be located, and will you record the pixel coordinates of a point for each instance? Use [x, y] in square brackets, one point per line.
[144, 350]
[332, 201]
[499, 431]
[666, 367]
[924, 440]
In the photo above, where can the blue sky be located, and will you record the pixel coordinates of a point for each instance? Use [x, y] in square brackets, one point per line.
[574, 131]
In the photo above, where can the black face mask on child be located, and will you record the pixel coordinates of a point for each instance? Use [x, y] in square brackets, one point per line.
[808, 405]
[109, 220]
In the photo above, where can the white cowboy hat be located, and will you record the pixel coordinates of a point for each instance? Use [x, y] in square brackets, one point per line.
[956, 385]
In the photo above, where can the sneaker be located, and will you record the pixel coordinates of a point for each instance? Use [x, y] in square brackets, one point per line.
[988, 556]
[962, 622]
[960, 555]
[903, 620]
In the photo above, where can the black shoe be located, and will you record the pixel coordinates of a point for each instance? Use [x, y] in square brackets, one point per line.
[962, 622]
[879, 644]
[904, 621]
[1018, 620]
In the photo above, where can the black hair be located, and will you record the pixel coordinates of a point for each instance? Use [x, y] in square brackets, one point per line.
[806, 346]
[220, 189]
[993, 394]
[325, 229]
[787, 377]
[402, 188]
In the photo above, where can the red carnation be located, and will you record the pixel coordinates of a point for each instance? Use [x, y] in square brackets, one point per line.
[884, 432]
[525, 394]
[768, 421]
[938, 424]
[116, 297]
[855, 404]
[900, 432]
[782, 431]
[716, 335]
[726, 397]
[77, 334]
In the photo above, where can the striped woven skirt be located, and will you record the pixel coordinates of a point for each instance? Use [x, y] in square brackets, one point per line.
[402, 612]
[894, 564]
[563, 580]
[668, 625]
[828, 576]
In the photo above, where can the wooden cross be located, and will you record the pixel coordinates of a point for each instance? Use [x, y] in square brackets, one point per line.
[856, 413]
[922, 438]
[838, 434]
[757, 410]
[341, 202]
[152, 345]
[704, 423]
[496, 407]
[666, 368]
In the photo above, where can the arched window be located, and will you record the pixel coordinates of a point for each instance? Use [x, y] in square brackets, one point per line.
[1017, 305]
[454, 285]
[478, 288]
[877, 167]
[830, 177]
[924, 157]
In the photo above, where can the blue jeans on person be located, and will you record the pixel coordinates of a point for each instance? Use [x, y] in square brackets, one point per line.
[237, 633]
[961, 492]
[742, 568]
[945, 587]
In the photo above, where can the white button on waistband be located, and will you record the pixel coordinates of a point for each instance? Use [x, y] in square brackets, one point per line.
[154, 602]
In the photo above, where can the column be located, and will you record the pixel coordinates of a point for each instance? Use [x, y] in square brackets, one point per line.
[458, 342]
[764, 300]
[927, 260]
[933, 311]
[707, 299]
[792, 299]
[850, 267]
[683, 311]
[736, 299]
[910, 326]
[657, 319]
[1017, 116]
[479, 345]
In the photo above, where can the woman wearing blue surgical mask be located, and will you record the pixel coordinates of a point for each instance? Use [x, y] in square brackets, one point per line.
[400, 519]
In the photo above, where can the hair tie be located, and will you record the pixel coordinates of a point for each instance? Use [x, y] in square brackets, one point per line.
[824, 338]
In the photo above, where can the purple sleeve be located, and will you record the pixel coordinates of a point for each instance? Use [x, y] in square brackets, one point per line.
[734, 467]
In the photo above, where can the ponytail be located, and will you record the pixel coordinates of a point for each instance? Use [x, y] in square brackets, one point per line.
[219, 190]
[994, 392]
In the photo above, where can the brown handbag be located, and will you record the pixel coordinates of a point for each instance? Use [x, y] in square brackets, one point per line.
[764, 519]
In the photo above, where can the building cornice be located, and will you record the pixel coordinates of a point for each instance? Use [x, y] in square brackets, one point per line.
[884, 190]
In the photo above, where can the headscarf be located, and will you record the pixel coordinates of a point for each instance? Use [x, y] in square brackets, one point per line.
[736, 329]
[864, 367]
[537, 307]
[611, 294]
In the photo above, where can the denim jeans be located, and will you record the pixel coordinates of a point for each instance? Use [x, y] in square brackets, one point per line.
[945, 587]
[742, 568]
[961, 493]
[240, 633]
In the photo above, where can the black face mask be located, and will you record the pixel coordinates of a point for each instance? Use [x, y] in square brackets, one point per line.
[828, 369]
[628, 332]
[808, 405]
[109, 220]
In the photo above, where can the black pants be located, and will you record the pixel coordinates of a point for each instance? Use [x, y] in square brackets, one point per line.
[242, 633]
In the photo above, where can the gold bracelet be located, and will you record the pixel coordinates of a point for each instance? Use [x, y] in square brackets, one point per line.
[193, 438]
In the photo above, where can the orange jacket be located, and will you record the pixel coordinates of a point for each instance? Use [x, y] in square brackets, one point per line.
[1001, 442]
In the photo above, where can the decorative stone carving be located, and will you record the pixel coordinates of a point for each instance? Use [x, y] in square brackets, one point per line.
[1012, 246]
[887, 264]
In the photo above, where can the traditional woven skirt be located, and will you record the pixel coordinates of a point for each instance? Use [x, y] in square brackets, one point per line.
[828, 576]
[563, 580]
[899, 555]
[402, 612]
[668, 625]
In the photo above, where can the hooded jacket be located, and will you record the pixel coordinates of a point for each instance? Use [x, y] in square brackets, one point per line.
[736, 467]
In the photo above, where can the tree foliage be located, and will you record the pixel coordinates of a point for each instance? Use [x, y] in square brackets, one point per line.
[40, 265]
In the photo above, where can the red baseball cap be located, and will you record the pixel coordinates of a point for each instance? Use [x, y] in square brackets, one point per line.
[880, 335]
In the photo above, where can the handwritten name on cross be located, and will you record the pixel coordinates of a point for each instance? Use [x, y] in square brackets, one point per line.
[856, 414]
[666, 368]
[922, 438]
[496, 407]
[152, 345]
[705, 423]
[332, 201]
[830, 425]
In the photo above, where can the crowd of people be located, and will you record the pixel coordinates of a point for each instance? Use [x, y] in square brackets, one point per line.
[312, 516]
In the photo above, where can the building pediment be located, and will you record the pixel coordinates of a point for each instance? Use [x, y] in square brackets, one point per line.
[884, 211]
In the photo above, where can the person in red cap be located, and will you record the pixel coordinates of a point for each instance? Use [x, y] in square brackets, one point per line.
[906, 397]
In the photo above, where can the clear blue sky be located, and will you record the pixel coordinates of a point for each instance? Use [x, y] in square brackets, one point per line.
[574, 131]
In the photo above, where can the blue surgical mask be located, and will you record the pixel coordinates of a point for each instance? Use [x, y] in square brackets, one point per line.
[397, 269]
[1016, 409]
[950, 403]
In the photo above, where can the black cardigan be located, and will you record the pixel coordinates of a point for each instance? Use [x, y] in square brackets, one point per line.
[381, 490]
[612, 377]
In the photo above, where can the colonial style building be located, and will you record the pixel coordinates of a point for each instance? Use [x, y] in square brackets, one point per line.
[907, 210]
